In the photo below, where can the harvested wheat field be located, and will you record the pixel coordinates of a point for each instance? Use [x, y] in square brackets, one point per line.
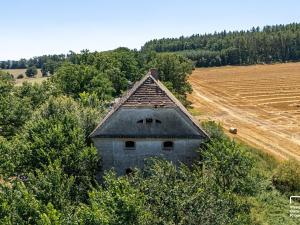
[15, 72]
[261, 101]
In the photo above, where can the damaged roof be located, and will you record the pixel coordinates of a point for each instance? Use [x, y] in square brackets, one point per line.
[148, 93]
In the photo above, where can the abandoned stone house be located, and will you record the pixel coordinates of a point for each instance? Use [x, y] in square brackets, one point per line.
[147, 121]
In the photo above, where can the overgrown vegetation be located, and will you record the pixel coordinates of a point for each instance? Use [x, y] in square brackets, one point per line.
[48, 164]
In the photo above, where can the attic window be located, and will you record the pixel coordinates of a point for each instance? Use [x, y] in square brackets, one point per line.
[149, 120]
[168, 145]
[129, 145]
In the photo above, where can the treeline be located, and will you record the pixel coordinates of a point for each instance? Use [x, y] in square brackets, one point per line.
[278, 43]
[37, 61]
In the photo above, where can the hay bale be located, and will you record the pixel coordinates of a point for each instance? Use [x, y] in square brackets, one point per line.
[233, 130]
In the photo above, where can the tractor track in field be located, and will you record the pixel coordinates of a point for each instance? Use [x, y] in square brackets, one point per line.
[268, 117]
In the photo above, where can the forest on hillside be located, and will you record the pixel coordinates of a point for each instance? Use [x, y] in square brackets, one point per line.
[278, 43]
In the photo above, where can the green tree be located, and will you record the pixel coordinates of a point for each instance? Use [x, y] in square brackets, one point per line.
[117, 202]
[75, 79]
[31, 71]
[230, 165]
[51, 184]
[286, 177]
[14, 111]
[19, 205]
[59, 131]
[173, 72]
[6, 84]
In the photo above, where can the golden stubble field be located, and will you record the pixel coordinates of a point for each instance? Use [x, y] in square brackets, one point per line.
[261, 101]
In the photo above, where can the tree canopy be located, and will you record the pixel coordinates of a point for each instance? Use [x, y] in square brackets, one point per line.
[278, 43]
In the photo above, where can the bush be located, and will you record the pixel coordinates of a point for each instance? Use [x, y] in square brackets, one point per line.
[31, 71]
[20, 76]
[230, 165]
[214, 130]
[286, 177]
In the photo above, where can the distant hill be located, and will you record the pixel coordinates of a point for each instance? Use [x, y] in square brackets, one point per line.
[278, 43]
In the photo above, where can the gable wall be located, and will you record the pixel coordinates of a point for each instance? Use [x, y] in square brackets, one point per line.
[124, 123]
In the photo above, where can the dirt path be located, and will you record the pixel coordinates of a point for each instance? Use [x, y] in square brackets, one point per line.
[261, 104]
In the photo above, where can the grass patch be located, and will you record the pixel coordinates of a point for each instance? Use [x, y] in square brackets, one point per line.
[195, 112]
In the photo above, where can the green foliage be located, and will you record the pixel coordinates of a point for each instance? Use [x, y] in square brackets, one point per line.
[7, 160]
[6, 84]
[162, 194]
[173, 72]
[13, 111]
[20, 76]
[31, 71]
[49, 67]
[18, 205]
[75, 79]
[229, 164]
[51, 184]
[286, 177]
[37, 93]
[214, 130]
[117, 202]
[121, 66]
[47, 163]
[59, 130]
[278, 43]
[271, 207]
[186, 196]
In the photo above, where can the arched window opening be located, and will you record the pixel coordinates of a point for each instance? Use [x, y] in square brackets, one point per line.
[140, 121]
[168, 145]
[157, 121]
[129, 145]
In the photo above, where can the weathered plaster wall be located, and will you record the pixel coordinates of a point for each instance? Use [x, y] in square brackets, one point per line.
[115, 155]
[124, 123]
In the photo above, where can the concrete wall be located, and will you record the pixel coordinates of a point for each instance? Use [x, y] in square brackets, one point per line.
[115, 155]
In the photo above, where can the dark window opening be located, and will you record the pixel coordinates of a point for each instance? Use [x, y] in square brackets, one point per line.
[168, 145]
[157, 121]
[149, 120]
[128, 171]
[130, 144]
[140, 121]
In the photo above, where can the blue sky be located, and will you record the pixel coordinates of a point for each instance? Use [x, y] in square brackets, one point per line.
[36, 27]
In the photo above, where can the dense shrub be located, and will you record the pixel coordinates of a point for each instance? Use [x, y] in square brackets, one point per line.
[214, 130]
[31, 71]
[20, 76]
[286, 177]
